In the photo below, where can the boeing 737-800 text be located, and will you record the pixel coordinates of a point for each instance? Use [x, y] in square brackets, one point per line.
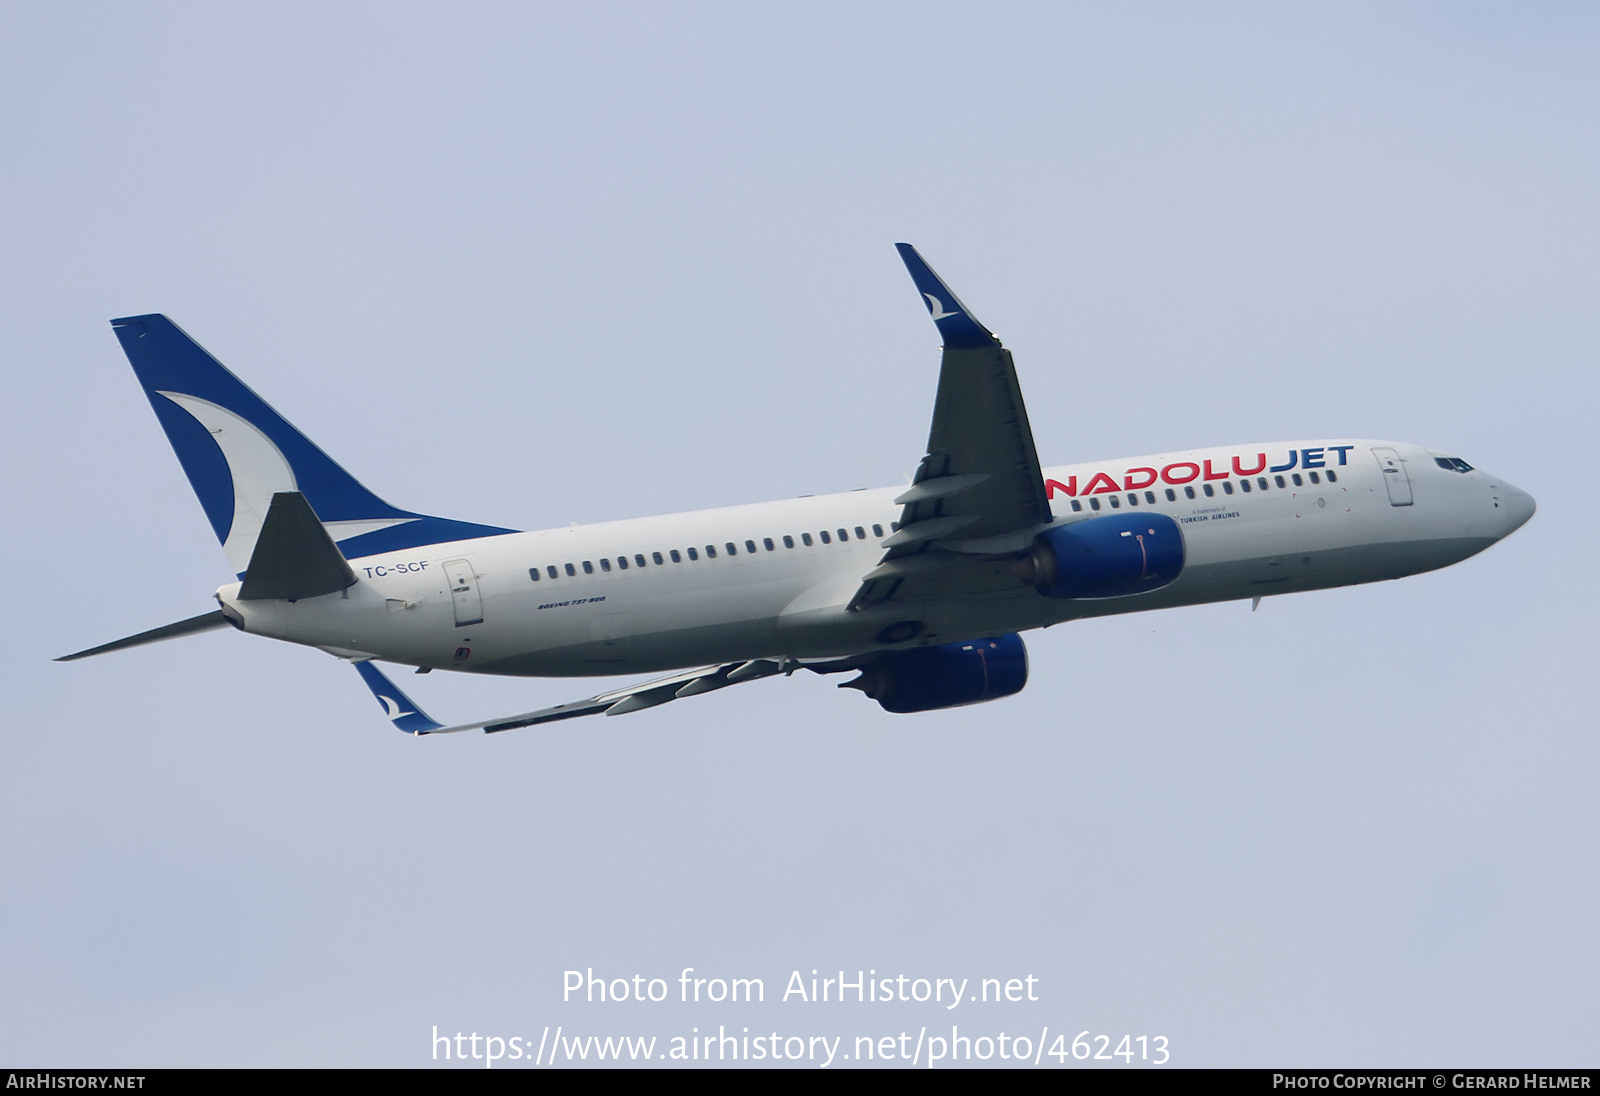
[922, 590]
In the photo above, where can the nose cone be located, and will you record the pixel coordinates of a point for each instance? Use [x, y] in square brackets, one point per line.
[1517, 505]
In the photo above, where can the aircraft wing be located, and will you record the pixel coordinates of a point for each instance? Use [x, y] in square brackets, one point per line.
[408, 717]
[979, 489]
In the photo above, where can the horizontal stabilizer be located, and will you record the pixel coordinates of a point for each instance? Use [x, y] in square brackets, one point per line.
[205, 622]
[294, 556]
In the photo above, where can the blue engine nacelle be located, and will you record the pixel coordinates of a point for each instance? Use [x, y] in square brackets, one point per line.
[1109, 556]
[924, 679]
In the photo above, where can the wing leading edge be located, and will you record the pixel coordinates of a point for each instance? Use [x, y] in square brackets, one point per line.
[979, 488]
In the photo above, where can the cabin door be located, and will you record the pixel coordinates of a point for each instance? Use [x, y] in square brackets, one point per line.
[464, 592]
[1394, 476]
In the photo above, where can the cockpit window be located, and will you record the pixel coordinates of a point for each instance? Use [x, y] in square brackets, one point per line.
[1452, 464]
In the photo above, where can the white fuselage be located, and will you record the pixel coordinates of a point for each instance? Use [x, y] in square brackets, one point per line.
[472, 605]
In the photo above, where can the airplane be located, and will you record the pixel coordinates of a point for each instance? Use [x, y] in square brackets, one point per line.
[921, 591]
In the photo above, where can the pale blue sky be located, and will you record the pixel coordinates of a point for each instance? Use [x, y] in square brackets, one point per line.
[529, 264]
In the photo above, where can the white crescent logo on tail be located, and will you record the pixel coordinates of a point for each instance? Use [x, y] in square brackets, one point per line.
[936, 306]
[259, 470]
[391, 708]
[257, 467]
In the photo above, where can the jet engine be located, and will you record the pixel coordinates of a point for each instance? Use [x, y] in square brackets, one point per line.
[947, 676]
[1110, 556]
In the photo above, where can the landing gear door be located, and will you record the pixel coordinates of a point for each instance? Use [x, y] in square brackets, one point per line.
[464, 592]
[1394, 476]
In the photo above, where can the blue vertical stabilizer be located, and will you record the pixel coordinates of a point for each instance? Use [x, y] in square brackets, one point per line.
[238, 452]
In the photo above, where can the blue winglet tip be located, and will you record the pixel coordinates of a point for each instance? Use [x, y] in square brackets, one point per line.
[957, 325]
[400, 709]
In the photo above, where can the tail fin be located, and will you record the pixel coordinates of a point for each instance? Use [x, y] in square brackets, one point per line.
[238, 452]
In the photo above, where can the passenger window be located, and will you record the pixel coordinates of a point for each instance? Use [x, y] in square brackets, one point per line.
[788, 541]
[877, 531]
[750, 546]
[605, 565]
[1227, 487]
[1209, 490]
[551, 570]
[861, 534]
[1314, 477]
[1262, 483]
[1188, 492]
[1116, 503]
[805, 538]
[1298, 482]
[1172, 496]
[766, 542]
[588, 568]
[1150, 497]
[732, 550]
[676, 558]
[1244, 485]
[571, 570]
[622, 562]
[711, 551]
[844, 536]
[693, 555]
[1094, 504]
[894, 526]
[1332, 478]
[1279, 481]
[1077, 504]
[824, 536]
[533, 573]
[1133, 498]
[638, 558]
[657, 557]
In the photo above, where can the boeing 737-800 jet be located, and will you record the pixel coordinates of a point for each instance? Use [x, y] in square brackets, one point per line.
[921, 591]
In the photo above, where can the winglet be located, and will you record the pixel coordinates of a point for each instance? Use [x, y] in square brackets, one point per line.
[960, 328]
[396, 705]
